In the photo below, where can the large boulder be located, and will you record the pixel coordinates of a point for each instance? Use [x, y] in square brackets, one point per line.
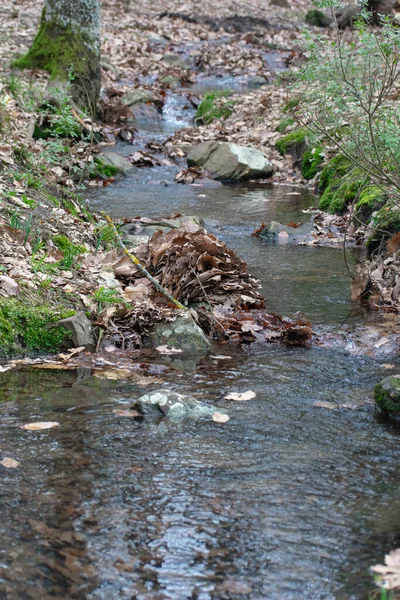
[181, 334]
[387, 394]
[230, 162]
[176, 406]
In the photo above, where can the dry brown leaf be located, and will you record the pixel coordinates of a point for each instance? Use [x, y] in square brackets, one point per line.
[9, 463]
[218, 417]
[39, 425]
[126, 413]
[240, 397]
[168, 350]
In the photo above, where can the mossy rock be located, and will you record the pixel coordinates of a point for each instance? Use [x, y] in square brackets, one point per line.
[293, 143]
[317, 18]
[387, 394]
[386, 222]
[23, 327]
[372, 198]
[311, 161]
[336, 168]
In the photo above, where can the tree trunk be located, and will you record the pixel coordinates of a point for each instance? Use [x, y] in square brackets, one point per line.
[67, 45]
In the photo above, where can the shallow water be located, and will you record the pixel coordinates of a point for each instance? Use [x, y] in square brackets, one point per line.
[288, 500]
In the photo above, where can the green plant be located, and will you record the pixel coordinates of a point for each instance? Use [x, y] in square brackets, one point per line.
[104, 296]
[214, 106]
[105, 237]
[347, 87]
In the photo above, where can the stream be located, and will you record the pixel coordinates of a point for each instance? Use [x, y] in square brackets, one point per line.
[288, 500]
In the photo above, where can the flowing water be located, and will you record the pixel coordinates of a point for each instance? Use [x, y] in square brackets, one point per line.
[288, 500]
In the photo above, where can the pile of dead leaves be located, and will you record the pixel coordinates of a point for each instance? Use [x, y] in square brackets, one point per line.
[197, 267]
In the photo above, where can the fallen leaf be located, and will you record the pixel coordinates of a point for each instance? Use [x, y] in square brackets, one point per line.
[126, 413]
[168, 350]
[40, 425]
[218, 417]
[249, 395]
[325, 405]
[9, 463]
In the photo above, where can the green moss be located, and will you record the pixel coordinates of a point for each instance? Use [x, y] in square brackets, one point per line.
[336, 168]
[212, 107]
[284, 124]
[341, 191]
[386, 222]
[387, 394]
[311, 161]
[56, 51]
[103, 169]
[372, 198]
[317, 18]
[293, 143]
[23, 327]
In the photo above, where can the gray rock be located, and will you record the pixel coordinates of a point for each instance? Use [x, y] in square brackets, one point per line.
[81, 329]
[175, 406]
[274, 228]
[387, 394]
[183, 333]
[225, 161]
[138, 97]
[257, 82]
[146, 116]
[173, 60]
[121, 163]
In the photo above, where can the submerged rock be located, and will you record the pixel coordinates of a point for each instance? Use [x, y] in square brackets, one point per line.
[387, 394]
[225, 161]
[173, 405]
[182, 334]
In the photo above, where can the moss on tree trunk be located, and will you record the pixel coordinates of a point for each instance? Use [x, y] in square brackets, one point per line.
[67, 45]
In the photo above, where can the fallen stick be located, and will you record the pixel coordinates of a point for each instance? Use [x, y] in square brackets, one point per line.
[136, 262]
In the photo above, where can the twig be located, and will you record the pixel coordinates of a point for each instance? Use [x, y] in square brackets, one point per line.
[136, 262]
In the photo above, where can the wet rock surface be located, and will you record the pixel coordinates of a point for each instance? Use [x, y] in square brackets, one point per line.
[387, 395]
[173, 405]
[182, 334]
[230, 162]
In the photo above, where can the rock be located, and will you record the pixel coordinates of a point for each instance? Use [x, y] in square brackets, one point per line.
[346, 15]
[170, 81]
[81, 329]
[135, 234]
[138, 97]
[108, 66]
[257, 82]
[121, 163]
[183, 333]
[225, 161]
[274, 228]
[387, 394]
[280, 3]
[8, 287]
[147, 116]
[175, 406]
[318, 18]
[173, 60]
